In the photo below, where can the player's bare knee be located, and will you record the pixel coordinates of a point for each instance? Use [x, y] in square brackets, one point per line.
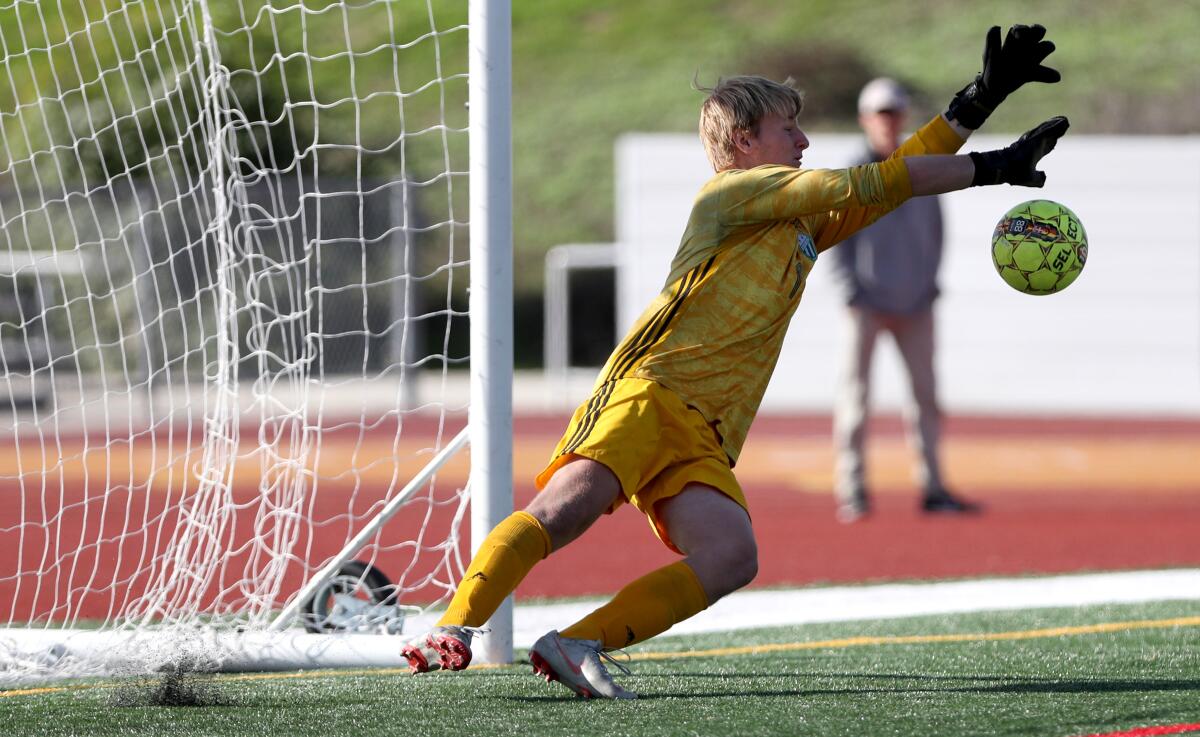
[743, 564]
[562, 520]
[734, 565]
[574, 499]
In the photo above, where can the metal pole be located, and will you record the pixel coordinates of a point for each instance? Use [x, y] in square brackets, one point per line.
[330, 569]
[490, 122]
[556, 353]
[404, 335]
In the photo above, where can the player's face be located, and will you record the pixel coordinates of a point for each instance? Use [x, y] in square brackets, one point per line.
[778, 141]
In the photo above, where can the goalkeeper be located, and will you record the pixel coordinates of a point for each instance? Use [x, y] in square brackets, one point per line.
[672, 406]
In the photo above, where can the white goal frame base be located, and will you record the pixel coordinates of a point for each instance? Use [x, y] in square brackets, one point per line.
[82, 653]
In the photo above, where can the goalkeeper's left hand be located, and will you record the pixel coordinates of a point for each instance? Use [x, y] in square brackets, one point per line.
[1017, 164]
[1006, 67]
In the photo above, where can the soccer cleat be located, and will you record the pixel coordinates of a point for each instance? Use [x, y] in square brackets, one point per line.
[855, 507]
[940, 501]
[576, 664]
[446, 648]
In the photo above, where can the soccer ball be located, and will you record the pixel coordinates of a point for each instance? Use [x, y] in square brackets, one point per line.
[1039, 247]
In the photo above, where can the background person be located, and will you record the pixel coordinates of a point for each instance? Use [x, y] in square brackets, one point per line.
[888, 276]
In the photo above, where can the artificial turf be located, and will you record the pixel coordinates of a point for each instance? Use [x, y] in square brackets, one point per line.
[1033, 672]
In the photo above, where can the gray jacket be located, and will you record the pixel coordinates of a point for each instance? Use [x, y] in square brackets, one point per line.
[892, 265]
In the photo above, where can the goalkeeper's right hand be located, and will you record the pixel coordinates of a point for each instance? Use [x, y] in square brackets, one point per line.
[1017, 164]
[1006, 67]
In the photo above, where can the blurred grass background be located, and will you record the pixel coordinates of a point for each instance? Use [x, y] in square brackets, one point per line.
[585, 73]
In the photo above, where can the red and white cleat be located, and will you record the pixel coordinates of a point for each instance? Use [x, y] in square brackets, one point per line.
[576, 664]
[447, 648]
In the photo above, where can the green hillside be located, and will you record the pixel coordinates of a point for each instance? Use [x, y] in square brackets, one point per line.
[586, 72]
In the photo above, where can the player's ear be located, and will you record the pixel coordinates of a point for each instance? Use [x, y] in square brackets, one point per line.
[742, 139]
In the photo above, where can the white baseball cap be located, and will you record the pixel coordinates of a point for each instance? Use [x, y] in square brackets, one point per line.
[882, 94]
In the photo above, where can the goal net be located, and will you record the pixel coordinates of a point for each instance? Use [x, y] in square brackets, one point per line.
[234, 272]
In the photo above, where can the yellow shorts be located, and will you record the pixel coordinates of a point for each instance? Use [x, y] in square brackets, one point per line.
[654, 443]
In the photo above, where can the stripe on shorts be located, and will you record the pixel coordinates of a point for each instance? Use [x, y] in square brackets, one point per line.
[650, 334]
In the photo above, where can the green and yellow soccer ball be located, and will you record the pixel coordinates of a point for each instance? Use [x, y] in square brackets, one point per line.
[1039, 247]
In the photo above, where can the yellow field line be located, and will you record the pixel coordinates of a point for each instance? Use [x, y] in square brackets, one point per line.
[37, 691]
[1087, 629]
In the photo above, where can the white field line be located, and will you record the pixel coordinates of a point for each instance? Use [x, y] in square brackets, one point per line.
[51, 653]
[750, 609]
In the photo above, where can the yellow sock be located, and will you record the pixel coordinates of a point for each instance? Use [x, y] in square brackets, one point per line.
[503, 560]
[644, 608]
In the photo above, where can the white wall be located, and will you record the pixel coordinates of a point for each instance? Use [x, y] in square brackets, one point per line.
[1124, 338]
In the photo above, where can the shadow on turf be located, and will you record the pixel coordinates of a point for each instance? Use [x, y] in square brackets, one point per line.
[1020, 684]
[1008, 684]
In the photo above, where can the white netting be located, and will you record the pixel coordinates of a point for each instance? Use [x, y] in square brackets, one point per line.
[232, 305]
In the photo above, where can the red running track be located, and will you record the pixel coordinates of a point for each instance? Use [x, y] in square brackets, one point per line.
[1131, 502]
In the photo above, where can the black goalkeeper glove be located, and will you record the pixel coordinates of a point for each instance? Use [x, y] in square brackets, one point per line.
[1017, 164]
[1005, 68]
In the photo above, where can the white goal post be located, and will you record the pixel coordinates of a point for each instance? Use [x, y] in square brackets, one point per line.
[255, 295]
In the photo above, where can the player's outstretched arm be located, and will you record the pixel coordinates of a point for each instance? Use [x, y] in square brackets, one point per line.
[1006, 66]
[1014, 164]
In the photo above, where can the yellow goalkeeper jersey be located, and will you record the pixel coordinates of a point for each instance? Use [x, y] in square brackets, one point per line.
[714, 333]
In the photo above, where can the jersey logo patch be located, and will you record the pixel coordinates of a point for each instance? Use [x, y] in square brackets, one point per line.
[805, 245]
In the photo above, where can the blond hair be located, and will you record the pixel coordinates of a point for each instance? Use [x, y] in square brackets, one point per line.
[740, 103]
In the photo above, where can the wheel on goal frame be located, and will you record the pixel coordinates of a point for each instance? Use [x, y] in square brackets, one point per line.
[358, 595]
